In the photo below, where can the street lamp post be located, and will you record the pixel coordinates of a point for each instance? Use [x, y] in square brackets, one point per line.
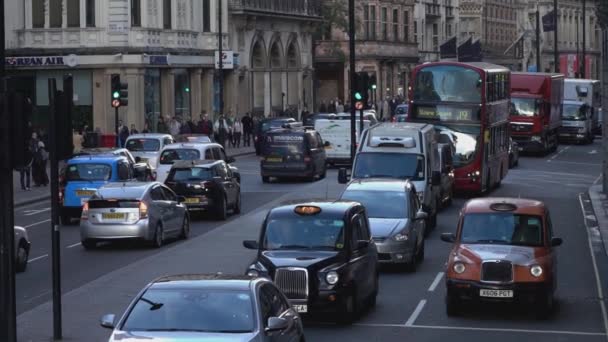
[351, 34]
[220, 71]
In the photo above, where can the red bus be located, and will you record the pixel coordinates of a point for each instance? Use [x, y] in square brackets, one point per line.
[469, 103]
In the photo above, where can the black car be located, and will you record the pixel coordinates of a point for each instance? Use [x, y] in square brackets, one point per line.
[321, 255]
[293, 152]
[207, 185]
[266, 125]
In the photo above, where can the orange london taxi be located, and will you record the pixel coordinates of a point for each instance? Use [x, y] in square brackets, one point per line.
[504, 250]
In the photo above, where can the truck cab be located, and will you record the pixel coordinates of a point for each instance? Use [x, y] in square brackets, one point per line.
[589, 93]
[577, 124]
[401, 150]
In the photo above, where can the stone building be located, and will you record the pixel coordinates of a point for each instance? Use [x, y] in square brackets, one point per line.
[273, 40]
[385, 49]
[435, 21]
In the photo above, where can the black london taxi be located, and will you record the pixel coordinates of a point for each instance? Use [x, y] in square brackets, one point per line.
[321, 255]
[207, 185]
[293, 152]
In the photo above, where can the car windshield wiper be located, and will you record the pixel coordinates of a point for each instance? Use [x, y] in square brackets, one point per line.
[492, 241]
[293, 247]
[178, 329]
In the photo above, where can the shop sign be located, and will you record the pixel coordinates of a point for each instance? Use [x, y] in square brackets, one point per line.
[227, 60]
[159, 60]
[41, 61]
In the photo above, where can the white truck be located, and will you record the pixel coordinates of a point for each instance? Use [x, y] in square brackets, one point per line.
[336, 135]
[582, 110]
[401, 150]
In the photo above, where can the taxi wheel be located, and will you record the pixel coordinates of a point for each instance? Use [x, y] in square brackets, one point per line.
[237, 206]
[185, 234]
[222, 213]
[22, 255]
[157, 242]
[420, 254]
[451, 306]
[88, 244]
[545, 306]
[349, 310]
[374, 295]
[324, 174]
[66, 220]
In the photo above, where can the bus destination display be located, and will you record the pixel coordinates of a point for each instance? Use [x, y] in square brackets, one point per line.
[446, 113]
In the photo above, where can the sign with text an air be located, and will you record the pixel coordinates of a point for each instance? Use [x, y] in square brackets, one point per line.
[227, 59]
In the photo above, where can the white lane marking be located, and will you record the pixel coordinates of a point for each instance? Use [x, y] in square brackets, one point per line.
[37, 223]
[38, 258]
[558, 153]
[592, 152]
[33, 212]
[74, 245]
[598, 283]
[574, 163]
[416, 313]
[436, 282]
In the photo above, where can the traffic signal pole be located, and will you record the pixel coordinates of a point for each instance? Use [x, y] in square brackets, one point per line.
[353, 123]
[8, 312]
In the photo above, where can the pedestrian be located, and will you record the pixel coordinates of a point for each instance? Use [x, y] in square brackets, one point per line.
[339, 106]
[184, 128]
[230, 122]
[123, 133]
[146, 128]
[221, 129]
[237, 131]
[77, 141]
[174, 127]
[322, 107]
[133, 130]
[40, 161]
[25, 171]
[205, 126]
[247, 124]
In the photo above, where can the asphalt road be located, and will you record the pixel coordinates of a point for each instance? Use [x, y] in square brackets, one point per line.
[410, 306]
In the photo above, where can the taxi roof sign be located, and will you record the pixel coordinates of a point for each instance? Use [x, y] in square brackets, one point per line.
[503, 206]
[307, 210]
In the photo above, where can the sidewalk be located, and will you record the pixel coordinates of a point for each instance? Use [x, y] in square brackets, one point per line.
[600, 207]
[220, 250]
[23, 198]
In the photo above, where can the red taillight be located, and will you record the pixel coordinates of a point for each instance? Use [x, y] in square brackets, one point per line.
[143, 210]
[61, 194]
[307, 159]
[85, 212]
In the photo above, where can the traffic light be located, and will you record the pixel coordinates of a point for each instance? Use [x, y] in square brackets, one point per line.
[64, 106]
[372, 80]
[19, 110]
[120, 92]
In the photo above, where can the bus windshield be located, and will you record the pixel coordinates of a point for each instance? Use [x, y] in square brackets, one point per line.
[448, 83]
[465, 139]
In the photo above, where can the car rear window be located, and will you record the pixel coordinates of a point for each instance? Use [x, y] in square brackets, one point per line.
[169, 157]
[143, 145]
[284, 144]
[88, 172]
[190, 174]
[102, 204]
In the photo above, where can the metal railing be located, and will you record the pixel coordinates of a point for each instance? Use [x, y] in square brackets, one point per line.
[289, 7]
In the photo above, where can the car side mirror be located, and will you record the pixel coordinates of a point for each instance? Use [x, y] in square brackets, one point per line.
[361, 244]
[181, 199]
[448, 237]
[237, 176]
[421, 215]
[327, 144]
[276, 324]
[251, 244]
[230, 160]
[555, 242]
[138, 159]
[342, 176]
[107, 321]
[436, 178]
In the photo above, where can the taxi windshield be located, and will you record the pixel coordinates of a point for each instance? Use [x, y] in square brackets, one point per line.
[502, 228]
[170, 156]
[143, 145]
[88, 172]
[305, 232]
[380, 204]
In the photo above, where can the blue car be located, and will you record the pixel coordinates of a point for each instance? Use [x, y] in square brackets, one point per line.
[84, 175]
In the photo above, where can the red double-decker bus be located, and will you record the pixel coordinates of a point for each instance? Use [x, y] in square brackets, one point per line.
[469, 103]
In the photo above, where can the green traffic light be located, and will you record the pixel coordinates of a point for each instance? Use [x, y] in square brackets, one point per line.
[116, 94]
[187, 90]
[374, 86]
[358, 96]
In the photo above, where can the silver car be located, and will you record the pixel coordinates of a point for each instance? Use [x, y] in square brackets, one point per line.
[147, 146]
[208, 308]
[22, 248]
[395, 217]
[145, 211]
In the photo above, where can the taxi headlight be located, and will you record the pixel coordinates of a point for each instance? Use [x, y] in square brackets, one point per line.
[401, 236]
[459, 267]
[536, 138]
[253, 273]
[420, 196]
[536, 270]
[332, 277]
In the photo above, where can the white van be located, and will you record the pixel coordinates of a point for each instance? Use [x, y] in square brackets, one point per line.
[195, 151]
[336, 135]
[401, 150]
[589, 92]
[147, 146]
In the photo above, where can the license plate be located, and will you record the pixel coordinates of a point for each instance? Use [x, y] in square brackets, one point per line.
[496, 293]
[274, 160]
[113, 216]
[301, 308]
[193, 200]
[520, 148]
[84, 200]
[85, 193]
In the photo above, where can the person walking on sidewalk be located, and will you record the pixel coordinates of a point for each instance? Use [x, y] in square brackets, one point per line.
[40, 160]
[237, 131]
[247, 124]
[25, 171]
[221, 130]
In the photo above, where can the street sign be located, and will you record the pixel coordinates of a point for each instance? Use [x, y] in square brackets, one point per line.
[359, 105]
[227, 59]
[115, 103]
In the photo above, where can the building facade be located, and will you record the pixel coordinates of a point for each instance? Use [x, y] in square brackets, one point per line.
[273, 40]
[494, 23]
[164, 49]
[385, 49]
[435, 21]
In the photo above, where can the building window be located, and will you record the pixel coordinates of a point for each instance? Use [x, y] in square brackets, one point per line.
[136, 13]
[435, 37]
[384, 23]
[152, 98]
[55, 15]
[370, 22]
[182, 94]
[366, 22]
[90, 10]
[206, 16]
[167, 14]
[416, 31]
[406, 26]
[73, 13]
[37, 13]
[448, 30]
[395, 25]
